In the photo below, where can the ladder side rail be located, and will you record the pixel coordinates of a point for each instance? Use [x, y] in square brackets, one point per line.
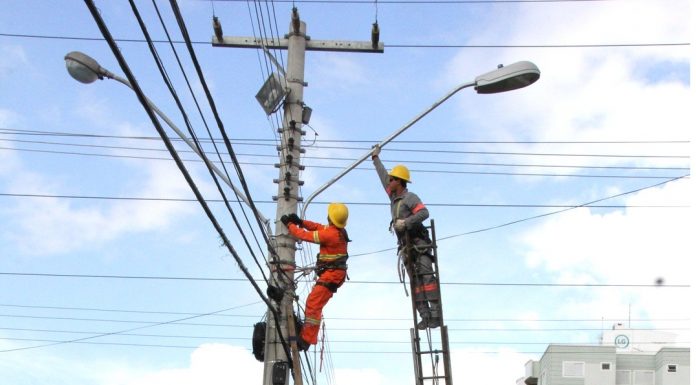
[443, 329]
[446, 355]
[436, 264]
[415, 334]
[417, 363]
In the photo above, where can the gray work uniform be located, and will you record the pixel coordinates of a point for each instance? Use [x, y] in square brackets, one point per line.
[409, 207]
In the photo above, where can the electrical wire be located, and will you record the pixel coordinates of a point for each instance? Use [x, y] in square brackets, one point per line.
[450, 172]
[141, 97]
[308, 251]
[240, 176]
[488, 164]
[348, 341]
[78, 340]
[169, 85]
[370, 319]
[436, 46]
[470, 283]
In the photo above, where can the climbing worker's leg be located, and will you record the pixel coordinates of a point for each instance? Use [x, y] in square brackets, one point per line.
[419, 295]
[327, 284]
[419, 299]
[429, 290]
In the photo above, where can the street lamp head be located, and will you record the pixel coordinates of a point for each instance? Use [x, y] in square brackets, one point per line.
[507, 78]
[83, 68]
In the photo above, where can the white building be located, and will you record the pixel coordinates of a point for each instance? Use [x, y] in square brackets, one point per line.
[624, 357]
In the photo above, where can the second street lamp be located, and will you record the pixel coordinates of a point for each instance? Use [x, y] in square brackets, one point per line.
[85, 69]
[502, 79]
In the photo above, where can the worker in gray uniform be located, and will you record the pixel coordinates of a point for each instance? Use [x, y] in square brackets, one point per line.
[415, 246]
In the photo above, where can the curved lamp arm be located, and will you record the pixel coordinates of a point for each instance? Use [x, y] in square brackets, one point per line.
[505, 78]
[384, 142]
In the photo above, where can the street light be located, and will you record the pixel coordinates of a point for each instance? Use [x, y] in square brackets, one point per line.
[502, 79]
[85, 69]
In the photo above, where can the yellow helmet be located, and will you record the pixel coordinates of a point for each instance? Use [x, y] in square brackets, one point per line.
[338, 214]
[400, 171]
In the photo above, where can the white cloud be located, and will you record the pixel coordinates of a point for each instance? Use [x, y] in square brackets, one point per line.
[340, 72]
[54, 226]
[360, 376]
[211, 364]
[637, 246]
[502, 366]
[634, 246]
[11, 58]
[586, 94]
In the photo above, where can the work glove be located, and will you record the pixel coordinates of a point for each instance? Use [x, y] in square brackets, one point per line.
[285, 219]
[376, 150]
[400, 225]
[294, 218]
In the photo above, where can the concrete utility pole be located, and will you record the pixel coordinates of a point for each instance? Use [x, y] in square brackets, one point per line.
[276, 362]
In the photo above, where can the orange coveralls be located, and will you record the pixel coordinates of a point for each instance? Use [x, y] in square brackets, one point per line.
[331, 270]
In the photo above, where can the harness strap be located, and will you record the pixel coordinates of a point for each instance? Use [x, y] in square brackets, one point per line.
[333, 287]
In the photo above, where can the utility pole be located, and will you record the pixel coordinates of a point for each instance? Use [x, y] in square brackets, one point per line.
[276, 361]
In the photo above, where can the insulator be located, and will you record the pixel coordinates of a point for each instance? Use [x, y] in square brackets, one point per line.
[217, 28]
[295, 20]
[375, 35]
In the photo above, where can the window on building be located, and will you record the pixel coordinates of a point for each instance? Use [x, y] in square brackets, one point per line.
[672, 368]
[623, 377]
[644, 377]
[606, 365]
[573, 369]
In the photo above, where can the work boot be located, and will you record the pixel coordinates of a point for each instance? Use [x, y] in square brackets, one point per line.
[423, 324]
[434, 322]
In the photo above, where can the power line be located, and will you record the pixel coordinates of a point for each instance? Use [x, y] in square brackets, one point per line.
[352, 281]
[412, 170]
[130, 148]
[449, 319]
[354, 341]
[207, 43]
[370, 142]
[420, 150]
[363, 352]
[492, 205]
[406, 326]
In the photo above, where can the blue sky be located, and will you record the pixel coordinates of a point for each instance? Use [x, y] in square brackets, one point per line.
[613, 105]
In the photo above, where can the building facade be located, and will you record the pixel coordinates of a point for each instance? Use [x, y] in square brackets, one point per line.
[616, 361]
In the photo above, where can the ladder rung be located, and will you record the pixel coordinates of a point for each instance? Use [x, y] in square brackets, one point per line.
[431, 351]
[432, 377]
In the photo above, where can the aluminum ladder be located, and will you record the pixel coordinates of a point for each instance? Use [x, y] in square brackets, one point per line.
[426, 349]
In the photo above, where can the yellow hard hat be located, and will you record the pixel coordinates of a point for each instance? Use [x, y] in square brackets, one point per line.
[338, 214]
[400, 171]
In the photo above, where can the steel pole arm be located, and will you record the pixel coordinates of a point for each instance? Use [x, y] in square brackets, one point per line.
[188, 141]
[384, 142]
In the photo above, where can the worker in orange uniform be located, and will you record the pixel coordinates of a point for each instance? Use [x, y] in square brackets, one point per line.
[408, 213]
[331, 265]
